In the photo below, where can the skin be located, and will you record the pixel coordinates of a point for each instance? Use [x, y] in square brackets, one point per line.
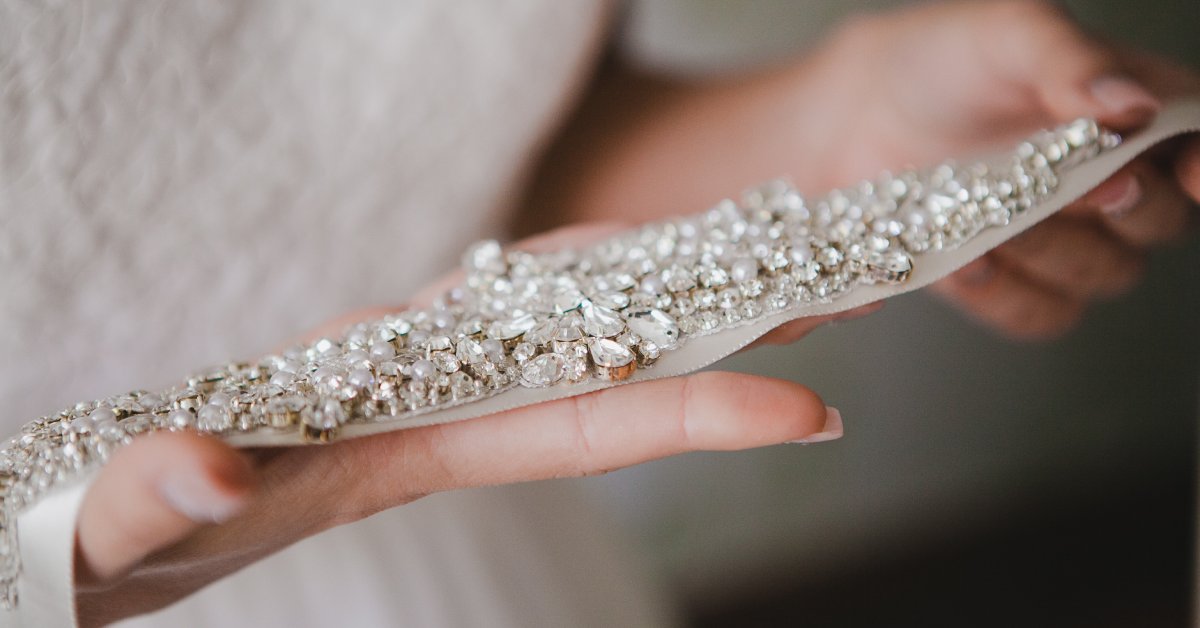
[853, 107]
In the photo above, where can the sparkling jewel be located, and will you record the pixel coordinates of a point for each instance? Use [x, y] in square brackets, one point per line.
[545, 370]
[655, 326]
[613, 360]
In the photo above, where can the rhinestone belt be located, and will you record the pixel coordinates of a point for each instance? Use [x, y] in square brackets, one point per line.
[560, 319]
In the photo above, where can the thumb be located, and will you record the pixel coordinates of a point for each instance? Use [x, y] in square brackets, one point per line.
[153, 493]
[1071, 73]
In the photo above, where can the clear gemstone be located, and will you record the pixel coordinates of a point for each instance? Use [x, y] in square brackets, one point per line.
[656, 326]
[469, 351]
[545, 370]
[609, 353]
[485, 257]
[445, 361]
[542, 333]
[567, 300]
[569, 329]
[494, 350]
[601, 322]
[180, 419]
[511, 328]
[212, 418]
[612, 300]
[744, 270]
[523, 351]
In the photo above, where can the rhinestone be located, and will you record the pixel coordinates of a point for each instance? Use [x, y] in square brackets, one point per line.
[439, 343]
[213, 418]
[655, 326]
[542, 333]
[612, 300]
[485, 257]
[523, 351]
[469, 351]
[568, 300]
[445, 361]
[545, 370]
[888, 268]
[461, 385]
[744, 270]
[494, 350]
[569, 330]
[612, 359]
[509, 329]
[601, 322]
[282, 379]
[180, 419]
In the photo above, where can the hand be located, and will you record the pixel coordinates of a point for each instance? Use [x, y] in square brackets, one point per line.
[958, 78]
[173, 512]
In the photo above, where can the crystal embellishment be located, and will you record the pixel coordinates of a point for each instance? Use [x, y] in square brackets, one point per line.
[655, 326]
[545, 370]
[555, 319]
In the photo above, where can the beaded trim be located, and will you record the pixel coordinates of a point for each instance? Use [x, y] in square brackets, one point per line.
[540, 320]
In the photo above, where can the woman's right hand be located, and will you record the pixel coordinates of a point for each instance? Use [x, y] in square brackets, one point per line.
[173, 512]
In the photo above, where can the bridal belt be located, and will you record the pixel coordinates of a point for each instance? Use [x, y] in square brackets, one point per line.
[522, 328]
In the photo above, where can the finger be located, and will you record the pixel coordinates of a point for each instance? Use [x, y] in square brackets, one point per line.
[153, 493]
[1009, 302]
[1140, 205]
[793, 331]
[1075, 256]
[586, 435]
[1073, 75]
[1187, 168]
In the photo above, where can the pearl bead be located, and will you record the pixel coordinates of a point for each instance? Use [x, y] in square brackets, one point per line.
[423, 369]
[382, 351]
[360, 378]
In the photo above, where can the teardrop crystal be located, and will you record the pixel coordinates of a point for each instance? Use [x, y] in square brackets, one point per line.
[656, 326]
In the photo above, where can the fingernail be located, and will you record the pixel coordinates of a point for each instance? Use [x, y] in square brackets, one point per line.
[196, 496]
[977, 272]
[831, 431]
[1119, 198]
[1121, 95]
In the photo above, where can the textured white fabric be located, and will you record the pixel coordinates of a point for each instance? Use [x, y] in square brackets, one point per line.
[182, 182]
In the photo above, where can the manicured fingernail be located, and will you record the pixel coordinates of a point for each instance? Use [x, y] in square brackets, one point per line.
[196, 496]
[977, 272]
[831, 431]
[1123, 96]
[1118, 198]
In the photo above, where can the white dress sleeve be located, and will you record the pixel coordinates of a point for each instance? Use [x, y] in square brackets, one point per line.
[46, 588]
